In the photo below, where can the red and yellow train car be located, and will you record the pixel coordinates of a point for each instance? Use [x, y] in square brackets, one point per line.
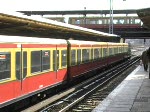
[28, 65]
[86, 56]
[31, 65]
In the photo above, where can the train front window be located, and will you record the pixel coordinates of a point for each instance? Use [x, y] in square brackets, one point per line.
[5, 65]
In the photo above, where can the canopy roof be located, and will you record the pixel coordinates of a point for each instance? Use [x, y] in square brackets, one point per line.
[18, 24]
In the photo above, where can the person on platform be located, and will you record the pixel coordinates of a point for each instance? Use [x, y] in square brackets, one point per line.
[145, 58]
[148, 54]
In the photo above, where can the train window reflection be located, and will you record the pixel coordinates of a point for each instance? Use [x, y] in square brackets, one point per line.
[92, 22]
[104, 52]
[79, 56]
[5, 65]
[35, 61]
[73, 57]
[77, 22]
[115, 21]
[121, 21]
[100, 22]
[64, 58]
[45, 60]
[85, 55]
[137, 21]
[96, 53]
[18, 65]
[55, 60]
[110, 51]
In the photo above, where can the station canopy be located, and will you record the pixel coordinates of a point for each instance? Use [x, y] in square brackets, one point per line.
[14, 23]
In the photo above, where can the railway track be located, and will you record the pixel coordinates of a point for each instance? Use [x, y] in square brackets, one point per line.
[84, 96]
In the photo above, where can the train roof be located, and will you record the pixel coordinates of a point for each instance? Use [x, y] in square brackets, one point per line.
[106, 17]
[14, 23]
[21, 39]
[78, 42]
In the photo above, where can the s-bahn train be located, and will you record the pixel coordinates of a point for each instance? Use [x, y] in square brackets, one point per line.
[29, 65]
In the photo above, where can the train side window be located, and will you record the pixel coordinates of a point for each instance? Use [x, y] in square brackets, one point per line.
[85, 55]
[35, 61]
[105, 52]
[115, 50]
[5, 65]
[115, 21]
[45, 60]
[79, 56]
[96, 54]
[91, 54]
[123, 49]
[119, 49]
[126, 49]
[24, 64]
[137, 21]
[18, 65]
[110, 51]
[55, 60]
[64, 58]
[100, 52]
[73, 57]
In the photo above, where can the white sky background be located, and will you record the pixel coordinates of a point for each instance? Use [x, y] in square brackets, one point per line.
[48, 5]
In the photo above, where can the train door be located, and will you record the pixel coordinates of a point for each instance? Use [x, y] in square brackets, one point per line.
[56, 62]
[60, 64]
[21, 69]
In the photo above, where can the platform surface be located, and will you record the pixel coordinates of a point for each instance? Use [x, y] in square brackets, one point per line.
[132, 95]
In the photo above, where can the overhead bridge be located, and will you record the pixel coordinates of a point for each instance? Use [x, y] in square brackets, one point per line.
[77, 12]
[126, 26]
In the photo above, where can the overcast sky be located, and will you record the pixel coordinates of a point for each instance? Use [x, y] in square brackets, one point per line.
[19, 5]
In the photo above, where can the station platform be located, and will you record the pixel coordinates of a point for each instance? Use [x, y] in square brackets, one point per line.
[132, 95]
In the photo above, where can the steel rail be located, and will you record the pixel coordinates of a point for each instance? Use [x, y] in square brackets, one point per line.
[72, 90]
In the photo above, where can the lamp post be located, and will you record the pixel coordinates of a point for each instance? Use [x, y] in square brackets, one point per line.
[111, 27]
[111, 18]
[85, 17]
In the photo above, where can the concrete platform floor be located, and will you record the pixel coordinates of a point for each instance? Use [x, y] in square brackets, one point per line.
[132, 95]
